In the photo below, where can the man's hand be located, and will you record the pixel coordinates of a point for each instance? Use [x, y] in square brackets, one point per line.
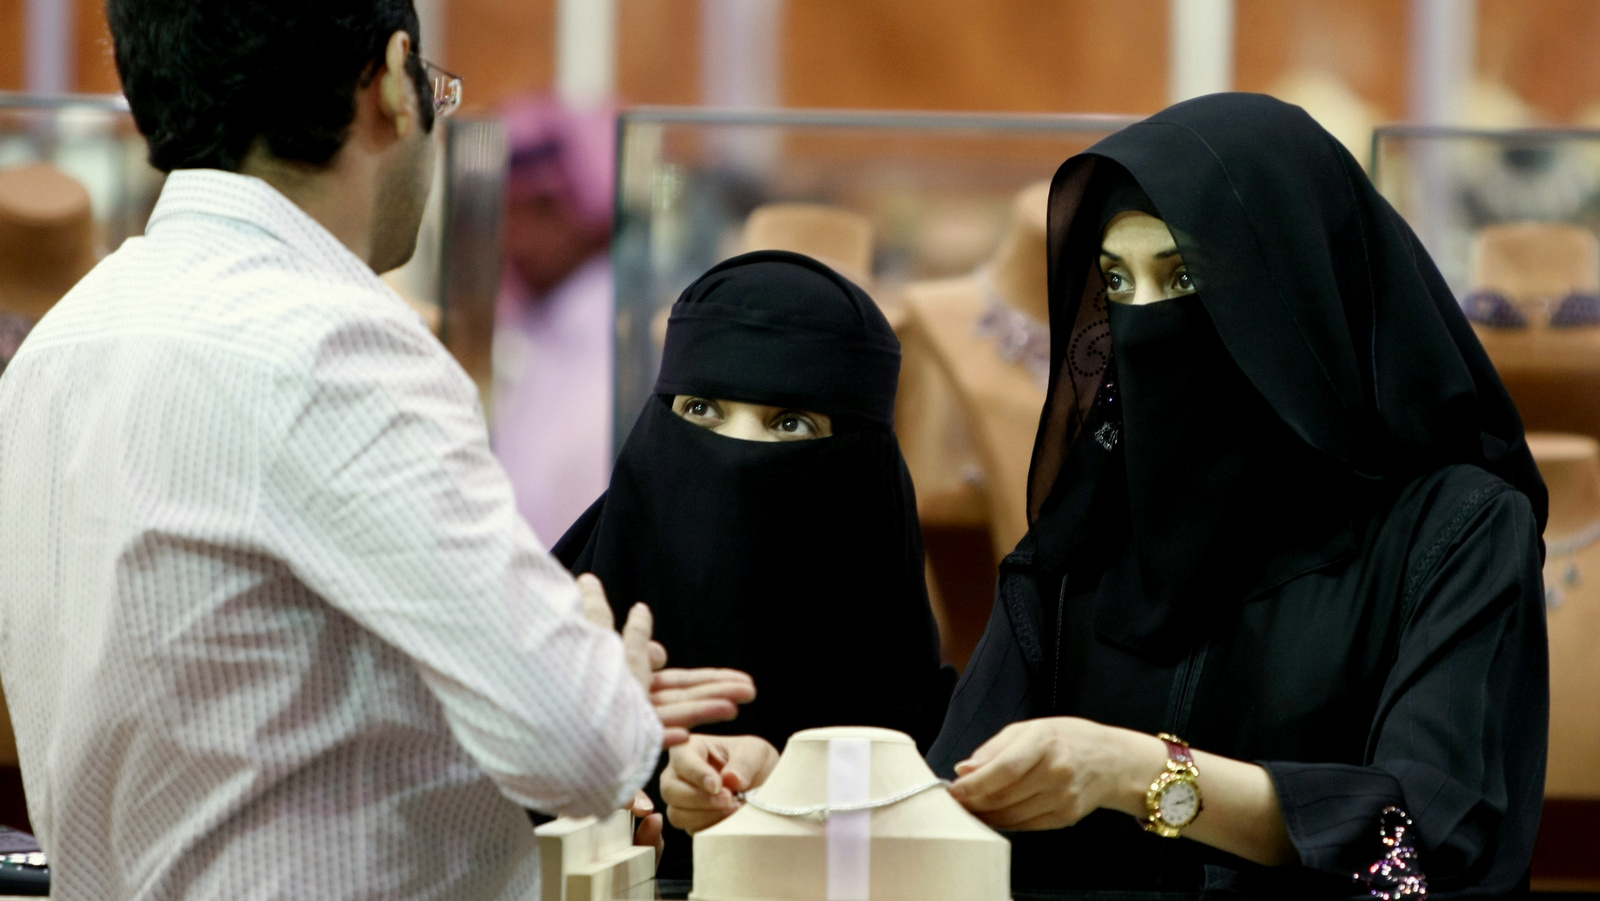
[683, 698]
[1049, 773]
[704, 773]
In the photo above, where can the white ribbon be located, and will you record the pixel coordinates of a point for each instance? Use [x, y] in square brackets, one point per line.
[849, 834]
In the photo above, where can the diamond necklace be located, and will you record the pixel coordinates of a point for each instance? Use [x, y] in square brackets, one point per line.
[1018, 338]
[1571, 576]
[821, 812]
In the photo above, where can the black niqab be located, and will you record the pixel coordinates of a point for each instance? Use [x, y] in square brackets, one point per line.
[798, 562]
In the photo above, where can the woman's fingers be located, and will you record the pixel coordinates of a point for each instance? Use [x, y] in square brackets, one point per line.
[991, 749]
[1004, 778]
[1041, 806]
[750, 761]
[692, 787]
[658, 656]
[690, 767]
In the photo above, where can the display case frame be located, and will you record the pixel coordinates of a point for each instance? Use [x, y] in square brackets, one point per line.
[1448, 182]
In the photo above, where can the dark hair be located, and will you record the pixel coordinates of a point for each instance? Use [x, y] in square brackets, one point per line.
[206, 79]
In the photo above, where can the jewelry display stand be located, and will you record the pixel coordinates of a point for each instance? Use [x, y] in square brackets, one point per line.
[851, 814]
[837, 237]
[1553, 373]
[972, 405]
[1570, 465]
[589, 859]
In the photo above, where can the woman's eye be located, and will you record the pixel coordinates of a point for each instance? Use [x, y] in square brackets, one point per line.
[1114, 281]
[699, 409]
[1183, 282]
[792, 425]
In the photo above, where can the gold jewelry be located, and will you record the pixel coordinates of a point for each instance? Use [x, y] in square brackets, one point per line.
[1173, 801]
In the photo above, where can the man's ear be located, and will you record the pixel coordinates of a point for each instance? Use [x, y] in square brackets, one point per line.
[397, 93]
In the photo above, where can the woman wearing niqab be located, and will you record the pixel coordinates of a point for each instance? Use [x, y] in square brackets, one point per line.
[798, 562]
[1288, 515]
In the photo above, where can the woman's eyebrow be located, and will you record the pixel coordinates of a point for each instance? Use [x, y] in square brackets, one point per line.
[1108, 254]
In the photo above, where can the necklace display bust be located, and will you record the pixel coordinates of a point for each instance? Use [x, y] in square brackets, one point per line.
[972, 410]
[1552, 372]
[912, 843]
[1570, 465]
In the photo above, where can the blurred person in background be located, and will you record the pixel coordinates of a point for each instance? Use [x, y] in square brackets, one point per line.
[553, 325]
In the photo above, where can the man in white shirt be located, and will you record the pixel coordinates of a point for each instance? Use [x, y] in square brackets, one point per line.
[270, 624]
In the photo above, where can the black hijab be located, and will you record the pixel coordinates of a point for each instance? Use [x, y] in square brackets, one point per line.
[1234, 439]
[798, 562]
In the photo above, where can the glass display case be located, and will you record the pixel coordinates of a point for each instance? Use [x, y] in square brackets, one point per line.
[1513, 220]
[1452, 183]
[457, 264]
[887, 198]
[93, 139]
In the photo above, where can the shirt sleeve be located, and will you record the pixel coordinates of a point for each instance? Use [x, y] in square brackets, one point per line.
[388, 503]
[1459, 740]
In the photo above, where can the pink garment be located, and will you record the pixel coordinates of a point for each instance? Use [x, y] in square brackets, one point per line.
[571, 152]
[553, 375]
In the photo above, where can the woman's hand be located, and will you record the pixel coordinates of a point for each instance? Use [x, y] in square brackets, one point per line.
[1049, 773]
[704, 773]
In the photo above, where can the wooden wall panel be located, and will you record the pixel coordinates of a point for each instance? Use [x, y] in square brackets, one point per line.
[1544, 50]
[1363, 43]
[96, 65]
[1020, 55]
[658, 51]
[500, 48]
[12, 41]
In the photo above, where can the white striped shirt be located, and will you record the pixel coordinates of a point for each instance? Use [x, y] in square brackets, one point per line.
[270, 624]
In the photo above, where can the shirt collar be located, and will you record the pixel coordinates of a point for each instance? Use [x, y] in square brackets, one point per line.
[247, 199]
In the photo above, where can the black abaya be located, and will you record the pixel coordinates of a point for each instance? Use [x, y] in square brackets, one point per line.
[798, 562]
[1291, 519]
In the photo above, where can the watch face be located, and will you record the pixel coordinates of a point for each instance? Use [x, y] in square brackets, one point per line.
[1180, 804]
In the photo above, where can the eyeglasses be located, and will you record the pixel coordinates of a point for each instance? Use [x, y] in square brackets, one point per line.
[446, 89]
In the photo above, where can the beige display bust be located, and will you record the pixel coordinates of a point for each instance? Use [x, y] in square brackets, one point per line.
[47, 238]
[1553, 374]
[838, 237]
[924, 848]
[1570, 465]
[967, 411]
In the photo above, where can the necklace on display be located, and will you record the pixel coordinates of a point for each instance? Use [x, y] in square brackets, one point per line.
[1570, 576]
[1018, 338]
[821, 812]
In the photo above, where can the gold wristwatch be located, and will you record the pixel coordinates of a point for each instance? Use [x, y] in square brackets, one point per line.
[1173, 800]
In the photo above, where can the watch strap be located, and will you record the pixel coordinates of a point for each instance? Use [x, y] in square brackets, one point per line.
[1177, 750]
